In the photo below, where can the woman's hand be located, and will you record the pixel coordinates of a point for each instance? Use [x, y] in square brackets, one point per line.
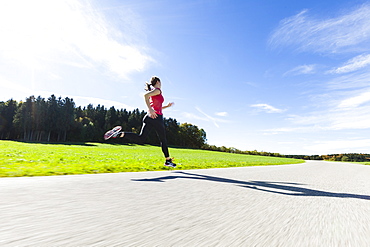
[168, 105]
[152, 113]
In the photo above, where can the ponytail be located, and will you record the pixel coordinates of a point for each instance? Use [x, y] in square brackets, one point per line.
[153, 81]
[148, 87]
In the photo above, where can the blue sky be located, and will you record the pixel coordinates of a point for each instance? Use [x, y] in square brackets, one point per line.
[279, 76]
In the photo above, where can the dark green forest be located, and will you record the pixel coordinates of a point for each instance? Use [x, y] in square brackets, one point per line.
[59, 120]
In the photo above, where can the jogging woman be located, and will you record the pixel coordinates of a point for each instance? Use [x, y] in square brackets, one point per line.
[152, 120]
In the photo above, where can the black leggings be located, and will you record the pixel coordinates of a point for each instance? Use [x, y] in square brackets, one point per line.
[148, 124]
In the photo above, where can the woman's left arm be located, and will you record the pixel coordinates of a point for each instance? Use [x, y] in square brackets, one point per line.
[168, 105]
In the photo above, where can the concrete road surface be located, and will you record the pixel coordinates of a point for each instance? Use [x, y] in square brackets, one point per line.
[311, 204]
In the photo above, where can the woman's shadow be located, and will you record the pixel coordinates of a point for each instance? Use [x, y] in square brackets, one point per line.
[291, 189]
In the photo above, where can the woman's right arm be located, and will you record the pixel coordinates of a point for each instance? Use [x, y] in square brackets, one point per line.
[151, 111]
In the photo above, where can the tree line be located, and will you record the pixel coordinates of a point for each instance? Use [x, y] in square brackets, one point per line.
[346, 157]
[59, 120]
[355, 157]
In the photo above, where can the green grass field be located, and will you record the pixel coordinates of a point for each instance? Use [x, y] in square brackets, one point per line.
[35, 159]
[363, 163]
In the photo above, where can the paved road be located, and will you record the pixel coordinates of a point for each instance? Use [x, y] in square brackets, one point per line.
[311, 204]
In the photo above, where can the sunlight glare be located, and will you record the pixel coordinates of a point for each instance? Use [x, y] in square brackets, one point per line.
[67, 32]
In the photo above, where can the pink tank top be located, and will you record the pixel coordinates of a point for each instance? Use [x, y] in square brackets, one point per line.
[156, 102]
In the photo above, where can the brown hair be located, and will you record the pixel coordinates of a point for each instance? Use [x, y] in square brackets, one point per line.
[152, 83]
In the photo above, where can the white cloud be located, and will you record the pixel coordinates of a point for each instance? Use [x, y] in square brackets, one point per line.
[6, 84]
[350, 81]
[354, 64]
[267, 108]
[340, 146]
[222, 114]
[302, 69]
[205, 117]
[84, 101]
[249, 83]
[338, 118]
[71, 32]
[285, 130]
[188, 115]
[349, 31]
[355, 101]
[212, 119]
[352, 118]
[336, 113]
[79, 100]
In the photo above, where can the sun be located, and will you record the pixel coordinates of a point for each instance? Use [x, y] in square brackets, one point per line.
[32, 30]
[75, 33]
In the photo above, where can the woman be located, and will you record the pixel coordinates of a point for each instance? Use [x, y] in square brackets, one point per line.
[152, 120]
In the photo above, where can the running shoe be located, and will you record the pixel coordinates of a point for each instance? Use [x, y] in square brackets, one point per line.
[113, 133]
[169, 163]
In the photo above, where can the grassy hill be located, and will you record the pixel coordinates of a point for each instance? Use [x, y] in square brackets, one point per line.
[36, 159]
